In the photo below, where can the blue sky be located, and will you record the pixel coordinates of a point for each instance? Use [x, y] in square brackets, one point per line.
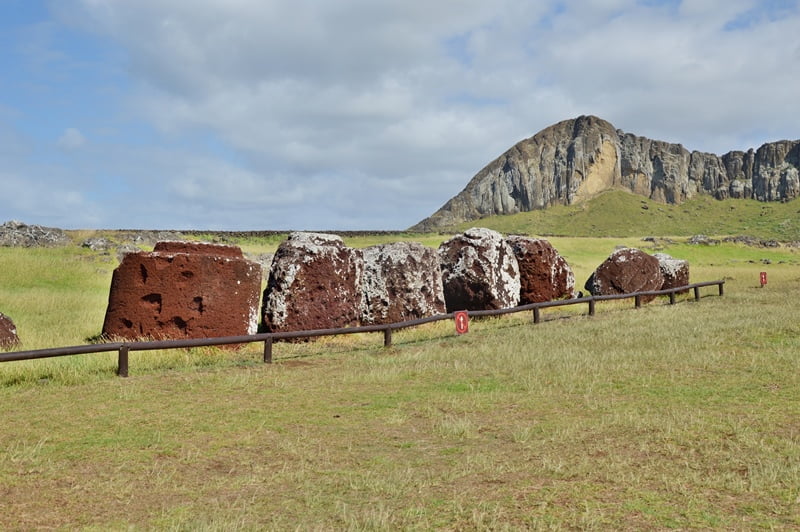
[354, 114]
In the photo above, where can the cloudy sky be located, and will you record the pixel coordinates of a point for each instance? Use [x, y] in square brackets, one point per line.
[354, 114]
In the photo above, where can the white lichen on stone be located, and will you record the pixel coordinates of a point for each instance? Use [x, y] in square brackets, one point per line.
[299, 252]
[401, 278]
[484, 257]
[669, 265]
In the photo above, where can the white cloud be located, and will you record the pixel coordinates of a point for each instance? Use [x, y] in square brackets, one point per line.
[44, 201]
[331, 107]
[71, 139]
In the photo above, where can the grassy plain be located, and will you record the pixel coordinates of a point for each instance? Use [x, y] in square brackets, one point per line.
[684, 416]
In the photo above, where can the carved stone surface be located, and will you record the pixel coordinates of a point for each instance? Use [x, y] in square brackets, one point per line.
[314, 283]
[8, 332]
[675, 271]
[402, 281]
[544, 274]
[198, 248]
[576, 159]
[184, 290]
[626, 271]
[479, 271]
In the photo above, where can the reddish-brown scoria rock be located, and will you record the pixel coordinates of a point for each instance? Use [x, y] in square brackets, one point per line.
[314, 283]
[402, 281]
[8, 332]
[626, 271]
[198, 248]
[184, 290]
[675, 271]
[544, 274]
[479, 271]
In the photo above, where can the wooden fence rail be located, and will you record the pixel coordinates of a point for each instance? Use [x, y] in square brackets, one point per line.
[124, 348]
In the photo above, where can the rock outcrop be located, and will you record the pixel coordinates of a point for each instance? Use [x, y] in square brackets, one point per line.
[184, 290]
[576, 159]
[18, 234]
[544, 274]
[402, 281]
[675, 271]
[8, 332]
[479, 271]
[626, 271]
[314, 283]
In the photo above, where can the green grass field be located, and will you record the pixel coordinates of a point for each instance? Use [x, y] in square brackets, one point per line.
[666, 417]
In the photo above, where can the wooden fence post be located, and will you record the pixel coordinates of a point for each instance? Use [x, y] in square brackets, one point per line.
[591, 307]
[268, 350]
[697, 293]
[387, 337]
[122, 361]
[536, 315]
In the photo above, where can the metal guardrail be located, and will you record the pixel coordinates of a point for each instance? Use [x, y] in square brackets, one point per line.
[124, 348]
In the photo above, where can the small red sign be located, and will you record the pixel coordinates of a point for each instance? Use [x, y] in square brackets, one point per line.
[763, 278]
[462, 321]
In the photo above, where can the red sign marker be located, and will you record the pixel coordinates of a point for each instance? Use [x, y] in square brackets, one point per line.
[763, 279]
[462, 321]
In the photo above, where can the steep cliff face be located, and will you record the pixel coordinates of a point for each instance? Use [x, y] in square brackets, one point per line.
[576, 159]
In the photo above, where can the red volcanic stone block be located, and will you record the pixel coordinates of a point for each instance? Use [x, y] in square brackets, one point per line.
[198, 248]
[8, 332]
[479, 271]
[675, 271]
[402, 281]
[626, 271]
[544, 274]
[314, 283]
[184, 290]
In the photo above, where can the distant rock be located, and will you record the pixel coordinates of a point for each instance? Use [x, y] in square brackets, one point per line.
[8, 332]
[18, 234]
[183, 290]
[149, 238]
[314, 283]
[544, 273]
[402, 281]
[752, 241]
[124, 249]
[675, 271]
[626, 271]
[702, 240]
[577, 159]
[97, 243]
[479, 271]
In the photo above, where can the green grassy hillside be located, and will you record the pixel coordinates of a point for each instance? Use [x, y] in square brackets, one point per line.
[620, 213]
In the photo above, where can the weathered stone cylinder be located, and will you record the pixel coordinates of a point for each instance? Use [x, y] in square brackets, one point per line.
[479, 271]
[8, 332]
[626, 271]
[184, 290]
[544, 274]
[402, 281]
[314, 283]
[675, 271]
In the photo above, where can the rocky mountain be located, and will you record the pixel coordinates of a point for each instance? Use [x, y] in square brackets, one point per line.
[577, 159]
